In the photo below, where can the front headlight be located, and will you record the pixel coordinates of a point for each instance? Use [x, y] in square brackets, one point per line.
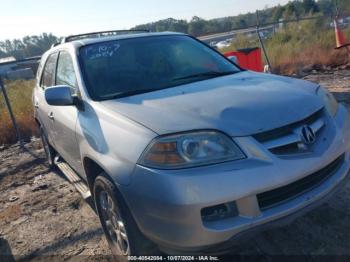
[330, 102]
[189, 150]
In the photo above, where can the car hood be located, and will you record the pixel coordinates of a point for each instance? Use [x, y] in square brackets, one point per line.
[241, 104]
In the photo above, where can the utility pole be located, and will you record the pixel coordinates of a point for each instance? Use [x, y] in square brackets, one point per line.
[339, 35]
[336, 9]
[12, 116]
[262, 42]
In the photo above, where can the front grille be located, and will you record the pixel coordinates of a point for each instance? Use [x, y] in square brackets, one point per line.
[287, 139]
[281, 194]
[286, 150]
[285, 130]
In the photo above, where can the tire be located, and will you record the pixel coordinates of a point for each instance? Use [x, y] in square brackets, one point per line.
[117, 221]
[49, 151]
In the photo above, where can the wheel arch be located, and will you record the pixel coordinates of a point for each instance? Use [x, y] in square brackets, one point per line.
[92, 170]
[37, 121]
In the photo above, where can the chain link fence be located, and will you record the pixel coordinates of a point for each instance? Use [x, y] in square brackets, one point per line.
[16, 111]
[298, 46]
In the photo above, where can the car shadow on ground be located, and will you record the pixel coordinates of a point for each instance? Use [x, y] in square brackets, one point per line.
[89, 200]
[27, 166]
[62, 243]
[5, 251]
[40, 160]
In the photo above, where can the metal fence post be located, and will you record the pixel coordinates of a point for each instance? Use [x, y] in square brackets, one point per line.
[336, 8]
[261, 41]
[13, 119]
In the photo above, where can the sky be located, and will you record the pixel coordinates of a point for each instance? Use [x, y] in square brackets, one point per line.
[64, 17]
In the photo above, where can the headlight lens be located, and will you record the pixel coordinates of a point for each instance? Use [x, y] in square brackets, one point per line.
[330, 102]
[189, 150]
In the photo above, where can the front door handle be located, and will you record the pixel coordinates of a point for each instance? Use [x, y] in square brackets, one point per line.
[51, 116]
[36, 105]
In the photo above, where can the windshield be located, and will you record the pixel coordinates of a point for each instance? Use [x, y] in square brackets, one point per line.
[131, 66]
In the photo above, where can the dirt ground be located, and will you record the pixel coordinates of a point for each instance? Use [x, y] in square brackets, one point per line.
[42, 215]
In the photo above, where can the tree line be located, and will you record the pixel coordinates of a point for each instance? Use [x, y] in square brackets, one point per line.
[38, 44]
[292, 10]
[28, 46]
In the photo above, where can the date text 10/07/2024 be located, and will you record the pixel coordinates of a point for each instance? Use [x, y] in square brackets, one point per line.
[173, 258]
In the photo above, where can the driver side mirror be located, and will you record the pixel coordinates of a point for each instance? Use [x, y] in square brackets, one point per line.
[59, 96]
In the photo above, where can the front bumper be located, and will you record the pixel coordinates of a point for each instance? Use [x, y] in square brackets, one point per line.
[167, 204]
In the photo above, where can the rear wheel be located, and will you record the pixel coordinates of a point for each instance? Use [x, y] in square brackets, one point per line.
[122, 233]
[49, 151]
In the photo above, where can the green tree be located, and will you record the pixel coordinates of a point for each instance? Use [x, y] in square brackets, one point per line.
[179, 26]
[290, 11]
[241, 23]
[310, 6]
[197, 26]
[277, 13]
[326, 7]
[28, 46]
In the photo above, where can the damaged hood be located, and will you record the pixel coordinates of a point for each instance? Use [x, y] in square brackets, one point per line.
[241, 104]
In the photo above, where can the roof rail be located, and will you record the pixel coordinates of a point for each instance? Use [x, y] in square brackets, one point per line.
[55, 44]
[100, 34]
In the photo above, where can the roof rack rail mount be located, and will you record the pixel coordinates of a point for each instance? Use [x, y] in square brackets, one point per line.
[101, 34]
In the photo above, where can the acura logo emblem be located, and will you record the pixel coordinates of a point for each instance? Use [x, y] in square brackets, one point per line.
[308, 135]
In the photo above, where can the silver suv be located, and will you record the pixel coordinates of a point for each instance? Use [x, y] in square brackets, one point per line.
[180, 148]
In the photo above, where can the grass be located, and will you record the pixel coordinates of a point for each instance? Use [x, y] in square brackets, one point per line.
[299, 46]
[20, 96]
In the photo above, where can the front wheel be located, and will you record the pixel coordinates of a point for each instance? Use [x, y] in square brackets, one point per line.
[122, 233]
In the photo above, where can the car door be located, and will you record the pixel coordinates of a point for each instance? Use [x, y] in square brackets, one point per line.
[43, 109]
[65, 117]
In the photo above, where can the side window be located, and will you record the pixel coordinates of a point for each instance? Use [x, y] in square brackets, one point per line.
[48, 75]
[65, 71]
[38, 72]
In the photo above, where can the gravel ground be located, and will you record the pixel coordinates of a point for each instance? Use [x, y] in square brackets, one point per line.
[42, 215]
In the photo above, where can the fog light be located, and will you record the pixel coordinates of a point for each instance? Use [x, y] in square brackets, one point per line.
[219, 212]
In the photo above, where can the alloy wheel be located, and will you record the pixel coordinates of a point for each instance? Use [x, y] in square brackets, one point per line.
[114, 223]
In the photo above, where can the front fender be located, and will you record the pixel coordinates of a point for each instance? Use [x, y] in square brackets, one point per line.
[111, 140]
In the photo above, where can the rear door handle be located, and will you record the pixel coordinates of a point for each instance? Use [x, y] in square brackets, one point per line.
[36, 105]
[50, 115]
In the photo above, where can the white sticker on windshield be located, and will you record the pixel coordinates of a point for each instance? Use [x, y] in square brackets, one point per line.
[101, 51]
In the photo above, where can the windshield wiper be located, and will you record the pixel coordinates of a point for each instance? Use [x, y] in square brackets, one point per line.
[128, 93]
[209, 74]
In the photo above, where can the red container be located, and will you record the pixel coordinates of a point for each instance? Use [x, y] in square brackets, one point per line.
[248, 58]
